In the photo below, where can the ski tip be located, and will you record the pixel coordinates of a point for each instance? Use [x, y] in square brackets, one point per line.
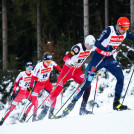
[60, 116]
[128, 108]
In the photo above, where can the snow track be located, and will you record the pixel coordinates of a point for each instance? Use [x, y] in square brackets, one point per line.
[116, 122]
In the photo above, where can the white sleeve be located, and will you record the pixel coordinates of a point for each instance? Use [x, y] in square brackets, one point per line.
[54, 63]
[36, 70]
[19, 77]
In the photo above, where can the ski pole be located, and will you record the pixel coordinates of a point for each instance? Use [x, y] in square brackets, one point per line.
[61, 96]
[24, 105]
[127, 86]
[95, 90]
[49, 95]
[80, 86]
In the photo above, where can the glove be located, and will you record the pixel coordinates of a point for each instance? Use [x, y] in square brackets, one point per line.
[13, 95]
[110, 48]
[30, 89]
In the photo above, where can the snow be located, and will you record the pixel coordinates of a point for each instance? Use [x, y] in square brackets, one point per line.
[117, 122]
[9, 87]
[104, 120]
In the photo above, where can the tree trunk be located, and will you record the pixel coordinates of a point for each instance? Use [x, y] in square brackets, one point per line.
[132, 12]
[38, 30]
[4, 33]
[106, 13]
[86, 17]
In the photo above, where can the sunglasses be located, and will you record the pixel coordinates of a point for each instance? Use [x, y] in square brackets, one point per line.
[124, 28]
[48, 61]
[30, 67]
[91, 45]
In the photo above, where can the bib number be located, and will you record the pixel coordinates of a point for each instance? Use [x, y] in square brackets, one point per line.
[45, 75]
[27, 84]
[80, 61]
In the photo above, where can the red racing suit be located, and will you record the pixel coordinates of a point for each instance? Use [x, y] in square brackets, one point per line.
[73, 61]
[23, 79]
[41, 76]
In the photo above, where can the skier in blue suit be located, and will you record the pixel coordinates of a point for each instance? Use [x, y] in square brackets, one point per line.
[106, 45]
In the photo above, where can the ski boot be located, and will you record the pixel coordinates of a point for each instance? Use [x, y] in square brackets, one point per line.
[69, 107]
[22, 120]
[34, 118]
[43, 113]
[117, 105]
[2, 121]
[51, 113]
[83, 110]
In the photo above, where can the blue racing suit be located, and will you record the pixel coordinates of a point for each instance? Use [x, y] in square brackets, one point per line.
[108, 62]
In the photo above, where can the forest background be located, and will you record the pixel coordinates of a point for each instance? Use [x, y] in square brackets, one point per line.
[61, 26]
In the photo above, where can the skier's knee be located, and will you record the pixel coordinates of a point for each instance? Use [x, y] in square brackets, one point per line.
[120, 79]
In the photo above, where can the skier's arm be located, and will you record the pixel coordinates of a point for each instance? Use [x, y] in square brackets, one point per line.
[32, 80]
[58, 67]
[74, 51]
[101, 38]
[19, 77]
[68, 56]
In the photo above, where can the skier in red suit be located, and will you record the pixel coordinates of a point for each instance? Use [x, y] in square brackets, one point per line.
[72, 67]
[40, 76]
[23, 82]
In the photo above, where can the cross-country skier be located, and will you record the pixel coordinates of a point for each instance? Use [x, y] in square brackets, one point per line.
[106, 45]
[72, 67]
[23, 82]
[41, 75]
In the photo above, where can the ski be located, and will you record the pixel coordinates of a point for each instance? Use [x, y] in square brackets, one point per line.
[125, 109]
[129, 108]
[62, 115]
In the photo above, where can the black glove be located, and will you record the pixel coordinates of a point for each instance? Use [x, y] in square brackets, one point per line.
[13, 95]
[30, 89]
[110, 48]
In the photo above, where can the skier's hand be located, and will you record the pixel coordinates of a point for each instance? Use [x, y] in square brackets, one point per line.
[13, 95]
[30, 89]
[110, 48]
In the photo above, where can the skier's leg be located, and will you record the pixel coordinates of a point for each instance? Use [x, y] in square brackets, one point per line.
[8, 111]
[79, 77]
[114, 68]
[94, 61]
[18, 98]
[34, 102]
[51, 111]
[49, 87]
[84, 102]
[60, 84]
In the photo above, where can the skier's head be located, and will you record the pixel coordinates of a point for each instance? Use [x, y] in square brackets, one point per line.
[47, 58]
[123, 25]
[89, 41]
[29, 67]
